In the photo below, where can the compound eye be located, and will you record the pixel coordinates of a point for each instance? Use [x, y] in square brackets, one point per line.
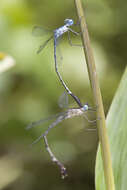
[85, 107]
[69, 22]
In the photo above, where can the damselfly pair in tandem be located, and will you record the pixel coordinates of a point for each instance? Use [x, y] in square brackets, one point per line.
[71, 112]
[57, 33]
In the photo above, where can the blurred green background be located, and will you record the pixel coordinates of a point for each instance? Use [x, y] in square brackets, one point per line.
[30, 90]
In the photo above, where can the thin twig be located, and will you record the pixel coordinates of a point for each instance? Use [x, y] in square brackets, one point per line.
[101, 124]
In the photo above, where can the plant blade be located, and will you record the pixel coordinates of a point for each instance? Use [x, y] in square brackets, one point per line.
[117, 131]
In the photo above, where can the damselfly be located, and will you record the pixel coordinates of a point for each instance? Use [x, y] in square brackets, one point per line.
[57, 33]
[72, 112]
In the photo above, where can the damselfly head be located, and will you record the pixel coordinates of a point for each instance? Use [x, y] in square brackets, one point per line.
[68, 22]
[85, 107]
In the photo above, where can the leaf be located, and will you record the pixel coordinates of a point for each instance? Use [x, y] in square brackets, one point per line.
[117, 132]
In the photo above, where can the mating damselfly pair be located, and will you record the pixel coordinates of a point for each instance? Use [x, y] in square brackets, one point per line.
[71, 112]
[58, 33]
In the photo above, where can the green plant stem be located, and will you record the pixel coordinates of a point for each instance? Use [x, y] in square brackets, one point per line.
[101, 124]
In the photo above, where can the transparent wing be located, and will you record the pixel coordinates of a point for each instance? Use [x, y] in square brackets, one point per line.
[63, 100]
[59, 119]
[43, 45]
[41, 121]
[40, 31]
